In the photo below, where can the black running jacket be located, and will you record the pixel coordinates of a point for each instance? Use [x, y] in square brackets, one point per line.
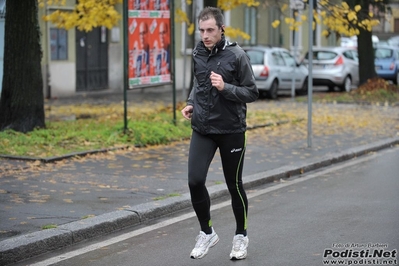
[221, 112]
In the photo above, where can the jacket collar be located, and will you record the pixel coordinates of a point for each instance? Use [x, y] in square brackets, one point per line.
[221, 45]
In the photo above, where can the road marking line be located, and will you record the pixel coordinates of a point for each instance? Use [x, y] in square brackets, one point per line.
[183, 217]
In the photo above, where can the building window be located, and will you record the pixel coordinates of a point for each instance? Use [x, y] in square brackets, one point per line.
[250, 24]
[59, 44]
[275, 37]
[2, 9]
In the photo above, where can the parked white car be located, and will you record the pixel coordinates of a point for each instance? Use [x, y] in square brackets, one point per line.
[334, 67]
[352, 41]
[274, 70]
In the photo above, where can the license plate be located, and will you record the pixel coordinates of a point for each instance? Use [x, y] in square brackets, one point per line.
[319, 66]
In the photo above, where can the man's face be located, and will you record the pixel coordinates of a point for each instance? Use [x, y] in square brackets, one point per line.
[162, 33]
[143, 35]
[210, 32]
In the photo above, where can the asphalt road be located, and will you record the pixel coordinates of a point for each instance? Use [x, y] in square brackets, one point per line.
[342, 211]
[32, 198]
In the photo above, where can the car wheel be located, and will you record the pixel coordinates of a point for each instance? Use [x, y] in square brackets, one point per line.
[396, 81]
[263, 94]
[331, 88]
[273, 90]
[347, 85]
[304, 89]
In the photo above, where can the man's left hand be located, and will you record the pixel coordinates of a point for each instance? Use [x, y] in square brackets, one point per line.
[217, 81]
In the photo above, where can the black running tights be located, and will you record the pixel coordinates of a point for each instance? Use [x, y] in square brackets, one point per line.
[201, 153]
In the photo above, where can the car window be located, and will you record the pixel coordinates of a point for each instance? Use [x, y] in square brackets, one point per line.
[277, 59]
[394, 41]
[323, 55]
[256, 57]
[289, 59]
[348, 54]
[355, 56]
[382, 53]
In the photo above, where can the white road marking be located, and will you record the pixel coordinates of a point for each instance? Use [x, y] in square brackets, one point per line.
[183, 217]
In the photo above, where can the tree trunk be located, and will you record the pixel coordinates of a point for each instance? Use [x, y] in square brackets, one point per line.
[22, 101]
[364, 45]
[366, 56]
[213, 3]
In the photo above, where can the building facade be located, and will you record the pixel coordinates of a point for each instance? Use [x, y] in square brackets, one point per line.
[76, 62]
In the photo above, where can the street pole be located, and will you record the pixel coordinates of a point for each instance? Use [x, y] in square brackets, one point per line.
[310, 77]
[295, 33]
[184, 42]
[48, 54]
[125, 63]
[173, 68]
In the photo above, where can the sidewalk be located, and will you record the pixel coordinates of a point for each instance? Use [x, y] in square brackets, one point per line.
[107, 192]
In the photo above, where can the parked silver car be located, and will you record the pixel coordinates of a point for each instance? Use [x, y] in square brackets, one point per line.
[334, 67]
[274, 70]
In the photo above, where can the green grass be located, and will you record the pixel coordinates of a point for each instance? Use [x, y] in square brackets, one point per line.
[167, 196]
[64, 137]
[49, 226]
[374, 91]
[87, 216]
[101, 127]
[377, 97]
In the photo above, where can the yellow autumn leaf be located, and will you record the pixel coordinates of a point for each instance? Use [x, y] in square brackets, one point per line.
[276, 23]
[289, 20]
[191, 29]
[352, 16]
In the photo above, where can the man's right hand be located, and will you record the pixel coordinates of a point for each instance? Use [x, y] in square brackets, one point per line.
[187, 112]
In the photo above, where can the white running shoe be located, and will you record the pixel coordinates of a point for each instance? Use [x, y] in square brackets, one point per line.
[240, 245]
[204, 242]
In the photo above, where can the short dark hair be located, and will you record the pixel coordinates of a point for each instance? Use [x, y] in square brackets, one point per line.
[212, 12]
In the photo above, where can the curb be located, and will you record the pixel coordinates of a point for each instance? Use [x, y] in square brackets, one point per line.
[33, 244]
[59, 158]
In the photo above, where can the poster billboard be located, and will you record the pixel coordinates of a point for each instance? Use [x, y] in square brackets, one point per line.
[149, 39]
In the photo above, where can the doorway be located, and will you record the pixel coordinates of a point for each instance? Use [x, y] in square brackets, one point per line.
[92, 60]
